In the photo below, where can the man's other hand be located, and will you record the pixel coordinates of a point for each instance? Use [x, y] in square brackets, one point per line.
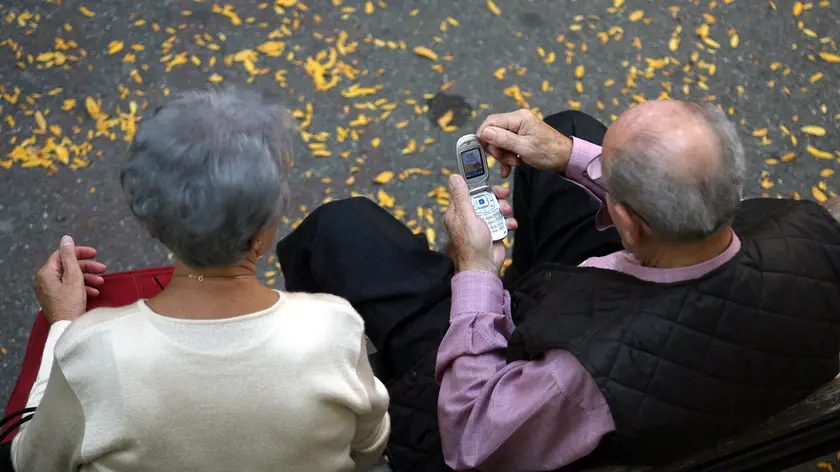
[521, 135]
[65, 281]
[472, 245]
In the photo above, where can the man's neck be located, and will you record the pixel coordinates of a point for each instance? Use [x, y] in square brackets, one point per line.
[667, 255]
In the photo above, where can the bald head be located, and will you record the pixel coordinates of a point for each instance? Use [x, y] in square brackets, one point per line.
[672, 132]
[678, 165]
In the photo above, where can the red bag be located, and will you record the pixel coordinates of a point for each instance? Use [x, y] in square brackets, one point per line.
[120, 289]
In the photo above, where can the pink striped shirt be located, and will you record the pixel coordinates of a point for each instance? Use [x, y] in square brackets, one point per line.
[527, 415]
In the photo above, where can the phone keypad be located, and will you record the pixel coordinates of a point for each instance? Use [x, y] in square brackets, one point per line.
[487, 207]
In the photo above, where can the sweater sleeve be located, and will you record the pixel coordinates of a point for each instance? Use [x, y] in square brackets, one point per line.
[373, 425]
[53, 439]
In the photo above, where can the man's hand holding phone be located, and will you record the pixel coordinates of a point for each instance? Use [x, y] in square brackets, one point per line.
[471, 242]
[520, 136]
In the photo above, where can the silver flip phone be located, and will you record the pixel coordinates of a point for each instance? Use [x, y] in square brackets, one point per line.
[472, 164]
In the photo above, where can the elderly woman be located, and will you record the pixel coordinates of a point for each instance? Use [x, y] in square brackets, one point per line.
[218, 372]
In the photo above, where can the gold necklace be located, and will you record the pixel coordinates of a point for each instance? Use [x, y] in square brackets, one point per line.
[202, 278]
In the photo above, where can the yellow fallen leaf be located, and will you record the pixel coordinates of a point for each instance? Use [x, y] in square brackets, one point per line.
[493, 8]
[115, 47]
[62, 154]
[618, 3]
[500, 73]
[92, 107]
[215, 78]
[798, 7]
[45, 57]
[636, 15]
[384, 199]
[550, 58]
[384, 177]
[42, 122]
[819, 153]
[272, 48]
[369, 8]
[674, 44]
[412, 146]
[375, 142]
[829, 57]
[579, 71]
[357, 90]
[826, 172]
[816, 77]
[430, 236]
[760, 133]
[734, 41]
[401, 124]
[813, 130]
[425, 52]
[87, 12]
[444, 120]
[818, 194]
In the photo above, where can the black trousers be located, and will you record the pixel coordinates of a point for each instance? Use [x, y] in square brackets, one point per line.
[356, 250]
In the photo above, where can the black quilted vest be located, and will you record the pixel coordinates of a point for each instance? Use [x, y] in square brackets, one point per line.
[683, 365]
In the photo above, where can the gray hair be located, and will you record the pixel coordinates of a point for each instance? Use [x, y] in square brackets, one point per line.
[207, 171]
[675, 207]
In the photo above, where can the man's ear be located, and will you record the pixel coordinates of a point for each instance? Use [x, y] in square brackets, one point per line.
[628, 224]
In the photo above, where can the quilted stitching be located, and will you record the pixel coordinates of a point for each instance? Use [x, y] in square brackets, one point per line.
[770, 262]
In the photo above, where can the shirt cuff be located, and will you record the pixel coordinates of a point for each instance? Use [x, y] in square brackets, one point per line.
[583, 153]
[47, 358]
[477, 291]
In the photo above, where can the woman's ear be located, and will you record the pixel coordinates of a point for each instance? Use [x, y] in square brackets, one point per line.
[263, 240]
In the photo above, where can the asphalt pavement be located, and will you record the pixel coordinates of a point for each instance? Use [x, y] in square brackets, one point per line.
[381, 91]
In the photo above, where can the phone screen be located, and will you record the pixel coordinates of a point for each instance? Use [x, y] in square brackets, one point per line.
[473, 167]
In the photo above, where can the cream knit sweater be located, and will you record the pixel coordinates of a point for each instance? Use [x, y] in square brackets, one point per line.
[285, 389]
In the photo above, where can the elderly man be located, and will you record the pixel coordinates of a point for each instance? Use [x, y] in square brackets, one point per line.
[648, 313]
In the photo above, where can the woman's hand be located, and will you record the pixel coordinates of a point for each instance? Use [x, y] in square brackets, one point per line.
[65, 281]
[521, 135]
[471, 243]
